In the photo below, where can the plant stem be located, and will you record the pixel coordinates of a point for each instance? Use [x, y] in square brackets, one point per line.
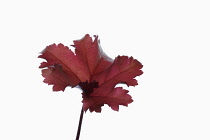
[80, 124]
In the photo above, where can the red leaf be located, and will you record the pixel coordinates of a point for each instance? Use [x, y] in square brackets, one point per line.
[91, 69]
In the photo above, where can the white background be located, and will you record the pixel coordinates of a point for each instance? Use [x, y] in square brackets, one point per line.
[170, 37]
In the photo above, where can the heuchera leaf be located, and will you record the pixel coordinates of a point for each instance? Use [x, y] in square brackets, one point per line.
[92, 70]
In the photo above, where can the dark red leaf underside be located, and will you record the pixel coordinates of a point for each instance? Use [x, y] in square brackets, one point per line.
[93, 70]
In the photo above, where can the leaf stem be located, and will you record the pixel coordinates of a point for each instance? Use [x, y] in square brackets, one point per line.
[80, 124]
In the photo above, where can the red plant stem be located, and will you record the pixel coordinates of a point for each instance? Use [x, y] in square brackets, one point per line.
[80, 124]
